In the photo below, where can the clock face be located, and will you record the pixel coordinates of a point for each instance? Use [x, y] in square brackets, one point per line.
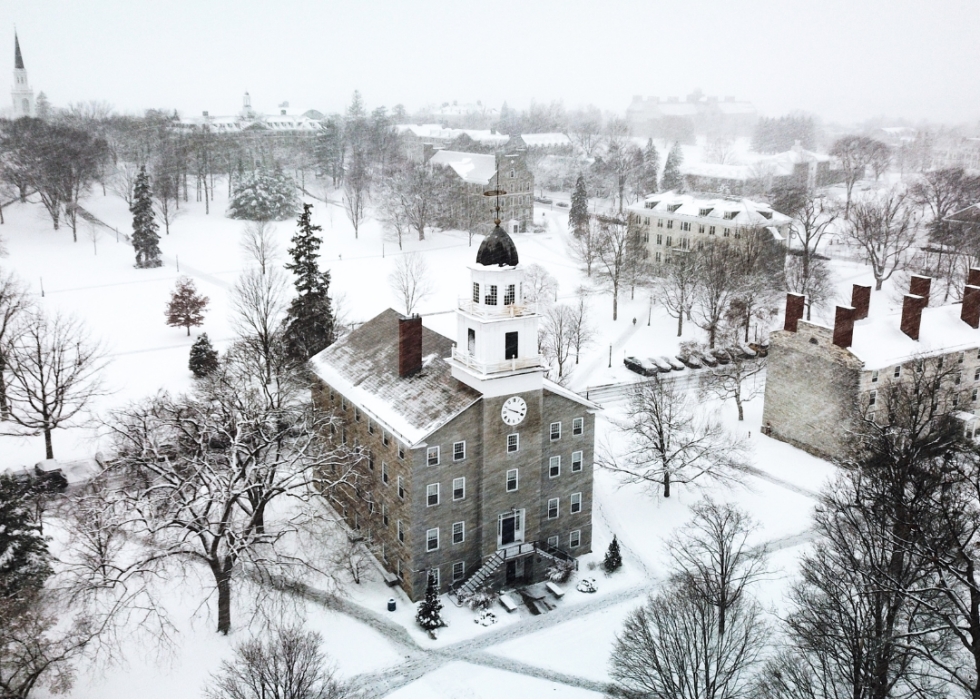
[513, 410]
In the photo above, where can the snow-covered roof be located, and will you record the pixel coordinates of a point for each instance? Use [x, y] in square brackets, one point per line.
[546, 139]
[970, 215]
[476, 168]
[735, 107]
[724, 172]
[437, 131]
[274, 122]
[363, 367]
[879, 342]
[721, 211]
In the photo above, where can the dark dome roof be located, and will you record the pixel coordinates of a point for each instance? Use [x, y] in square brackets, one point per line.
[497, 249]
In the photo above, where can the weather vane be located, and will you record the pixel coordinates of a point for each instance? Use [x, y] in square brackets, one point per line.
[496, 193]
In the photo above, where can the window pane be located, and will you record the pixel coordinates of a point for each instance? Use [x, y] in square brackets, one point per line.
[578, 426]
[459, 488]
[459, 451]
[554, 466]
[576, 461]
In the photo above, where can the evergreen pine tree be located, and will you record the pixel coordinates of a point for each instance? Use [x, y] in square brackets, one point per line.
[204, 358]
[24, 554]
[263, 195]
[146, 241]
[429, 614]
[578, 214]
[673, 179]
[186, 306]
[651, 168]
[614, 559]
[309, 320]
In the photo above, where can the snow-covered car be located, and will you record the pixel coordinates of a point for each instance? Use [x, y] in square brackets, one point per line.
[748, 352]
[708, 359]
[636, 366]
[721, 355]
[691, 361]
[674, 363]
[543, 200]
[761, 348]
[562, 204]
[661, 363]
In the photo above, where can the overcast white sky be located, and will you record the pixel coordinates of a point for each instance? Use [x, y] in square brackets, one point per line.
[841, 59]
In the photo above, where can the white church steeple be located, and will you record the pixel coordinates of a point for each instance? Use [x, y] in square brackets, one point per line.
[496, 349]
[22, 94]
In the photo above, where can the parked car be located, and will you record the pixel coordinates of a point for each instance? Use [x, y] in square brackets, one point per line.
[761, 348]
[543, 200]
[748, 352]
[708, 359]
[562, 204]
[634, 365]
[721, 355]
[662, 364]
[691, 361]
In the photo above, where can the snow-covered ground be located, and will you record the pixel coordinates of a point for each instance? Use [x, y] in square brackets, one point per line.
[564, 653]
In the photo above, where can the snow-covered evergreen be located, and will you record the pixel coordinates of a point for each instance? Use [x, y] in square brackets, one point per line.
[673, 179]
[309, 320]
[429, 615]
[263, 195]
[146, 240]
[204, 358]
[23, 549]
[578, 214]
[614, 559]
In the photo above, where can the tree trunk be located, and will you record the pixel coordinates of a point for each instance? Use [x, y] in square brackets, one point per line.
[188, 331]
[878, 284]
[222, 576]
[680, 323]
[666, 484]
[48, 448]
[4, 402]
[738, 402]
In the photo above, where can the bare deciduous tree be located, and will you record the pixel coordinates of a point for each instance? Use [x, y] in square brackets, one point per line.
[886, 228]
[582, 331]
[259, 243]
[616, 253]
[585, 246]
[557, 336]
[54, 374]
[356, 186]
[289, 664]
[667, 438]
[259, 303]
[675, 282]
[14, 304]
[539, 286]
[411, 281]
[742, 379]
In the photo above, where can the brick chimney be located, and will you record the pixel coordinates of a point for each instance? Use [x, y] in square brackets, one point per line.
[860, 301]
[844, 326]
[970, 312]
[973, 278]
[409, 345]
[912, 314]
[794, 311]
[919, 286]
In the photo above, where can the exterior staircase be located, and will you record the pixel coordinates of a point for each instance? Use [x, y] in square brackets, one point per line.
[493, 563]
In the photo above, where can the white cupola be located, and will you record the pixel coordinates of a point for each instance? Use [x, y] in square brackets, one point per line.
[496, 348]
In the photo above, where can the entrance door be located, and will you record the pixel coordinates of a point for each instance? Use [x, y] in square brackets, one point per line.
[507, 531]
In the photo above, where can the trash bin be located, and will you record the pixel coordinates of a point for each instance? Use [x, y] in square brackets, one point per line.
[391, 604]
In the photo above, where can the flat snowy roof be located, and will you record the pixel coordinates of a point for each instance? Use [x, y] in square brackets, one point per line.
[880, 342]
[476, 168]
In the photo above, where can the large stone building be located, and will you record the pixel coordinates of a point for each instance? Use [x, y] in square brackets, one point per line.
[821, 381]
[695, 115]
[669, 223]
[796, 166]
[21, 93]
[471, 175]
[476, 468]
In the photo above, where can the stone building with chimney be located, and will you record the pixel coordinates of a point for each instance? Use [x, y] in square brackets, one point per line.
[475, 468]
[822, 380]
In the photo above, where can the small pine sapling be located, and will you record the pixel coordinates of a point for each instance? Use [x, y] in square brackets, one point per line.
[429, 616]
[204, 358]
[186, 306]
[614, 559]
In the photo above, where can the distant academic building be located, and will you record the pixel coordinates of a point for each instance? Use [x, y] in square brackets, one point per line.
[695, 115]
[796, 166]
[476, 469]
[669, 223]
[248, 119]
[821, 380]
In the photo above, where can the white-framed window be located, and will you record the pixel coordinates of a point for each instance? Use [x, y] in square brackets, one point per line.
[384, 472]
[384, 514]
[956, 399]
[871, 416]
[401, 531]
[511, 480]
[371, 459]
[432, 494]
[578, 426]
[459, 451]
[555, 431]
[432, 456]
[727, 232]
[553, 541]
[513, 443]
[976, 374]
[670, 224]
[476, 292]
[510, 293]
[973, 396]
[432, 539]
[576, 461]
[554, 467]
[711, 230]
[657, 257]
[576, 503]
[401, 452]
[898, 372]
[343, 403]
[660, 239]
[668, 240]
[459, 571]
[874, 376]
[357, 414]
[575, 539]
[660, 223]
[401, 487]
[491, 297]
[343, 434]
[872, 398]
[459, 488]
[552, 508]
[459, 532]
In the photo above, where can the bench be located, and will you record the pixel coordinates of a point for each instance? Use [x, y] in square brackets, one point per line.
[555, 590]
[507, 603]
